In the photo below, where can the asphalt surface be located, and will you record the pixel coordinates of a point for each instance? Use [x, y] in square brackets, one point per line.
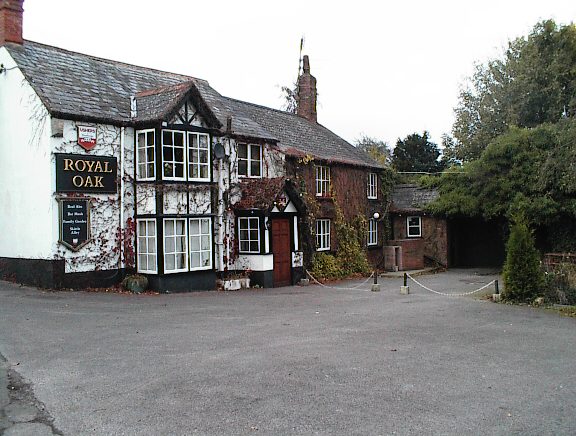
[298, 360]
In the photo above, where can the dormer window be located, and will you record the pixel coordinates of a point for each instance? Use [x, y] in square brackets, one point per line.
[322, 181]
[250, 160]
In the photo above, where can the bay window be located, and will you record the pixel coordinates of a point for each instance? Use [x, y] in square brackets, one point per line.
[175, 245]
[146, 242]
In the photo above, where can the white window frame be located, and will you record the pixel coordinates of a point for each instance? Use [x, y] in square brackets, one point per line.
[249, 159]
[184, 162]
[242, 222]
[418, 227]
[372, 232]
[185, 252]
[151, 241]
[323, 234]
[322, 181]
[146, 133]
[200, 235]
[372, 189]
[199, 164]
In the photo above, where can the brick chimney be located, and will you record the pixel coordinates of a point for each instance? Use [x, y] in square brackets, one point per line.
[307, 93]
[11, 21]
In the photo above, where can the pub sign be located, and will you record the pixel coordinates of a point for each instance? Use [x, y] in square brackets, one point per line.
[87, 137]
[83, 173]
[74, 223]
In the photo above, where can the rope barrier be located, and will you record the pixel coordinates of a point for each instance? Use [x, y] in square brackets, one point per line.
[354, 288]
[462, 294]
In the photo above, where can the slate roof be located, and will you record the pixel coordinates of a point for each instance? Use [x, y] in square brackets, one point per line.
[411, 198]
[82, 87]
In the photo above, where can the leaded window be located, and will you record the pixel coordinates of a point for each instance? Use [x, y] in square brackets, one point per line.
[175, 245]
[250, 160]
[146, 242]
[145, 155]
[198, 157]
[200, 243]
[249, 235]
[173, 155]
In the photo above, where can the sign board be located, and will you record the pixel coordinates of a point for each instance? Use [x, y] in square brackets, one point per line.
[297, 259]
[74, 223]
[87, 137]
[82, 173]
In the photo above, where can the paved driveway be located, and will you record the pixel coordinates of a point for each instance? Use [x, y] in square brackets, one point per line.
[294, 360]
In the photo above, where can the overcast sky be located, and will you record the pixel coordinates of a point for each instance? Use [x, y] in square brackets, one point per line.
[384, 69]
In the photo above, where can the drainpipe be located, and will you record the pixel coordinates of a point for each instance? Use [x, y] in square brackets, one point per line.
[121, 251]
[221, 215]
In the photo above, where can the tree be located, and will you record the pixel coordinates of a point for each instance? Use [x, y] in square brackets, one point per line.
[376, 149]
[290, 94]
[523, 278]
[523, 171]
[533, 83]
[416, 153]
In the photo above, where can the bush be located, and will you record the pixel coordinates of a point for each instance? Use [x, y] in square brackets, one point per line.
[560, 285]
[325, 266]
[523, 277]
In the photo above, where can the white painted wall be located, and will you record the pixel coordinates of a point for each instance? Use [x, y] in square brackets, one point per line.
[26, 202]
[103, 252]
[255, 262]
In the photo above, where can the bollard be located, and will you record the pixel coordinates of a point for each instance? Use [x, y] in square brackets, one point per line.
[405, 290]
[375, 285]
[496, 295]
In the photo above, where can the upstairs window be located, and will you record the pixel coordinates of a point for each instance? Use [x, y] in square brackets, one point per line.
[185, 156]
[249, 235]
[413, 227]
[145, 155]
[322, 181]
[372, 232]
[250, 160]
[372, 190]
[322, 235]
[198, 157]
[173, 156]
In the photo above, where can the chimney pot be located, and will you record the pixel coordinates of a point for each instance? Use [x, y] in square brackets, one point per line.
[11, 12]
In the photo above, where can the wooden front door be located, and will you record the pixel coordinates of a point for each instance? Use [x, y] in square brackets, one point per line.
[281, 251]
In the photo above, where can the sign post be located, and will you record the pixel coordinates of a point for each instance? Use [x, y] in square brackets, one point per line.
[74, 223]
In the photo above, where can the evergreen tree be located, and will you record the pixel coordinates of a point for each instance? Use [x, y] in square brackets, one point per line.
[416, 153]
[523, 278]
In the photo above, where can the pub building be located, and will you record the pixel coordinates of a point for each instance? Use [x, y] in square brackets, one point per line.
[108, 168]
